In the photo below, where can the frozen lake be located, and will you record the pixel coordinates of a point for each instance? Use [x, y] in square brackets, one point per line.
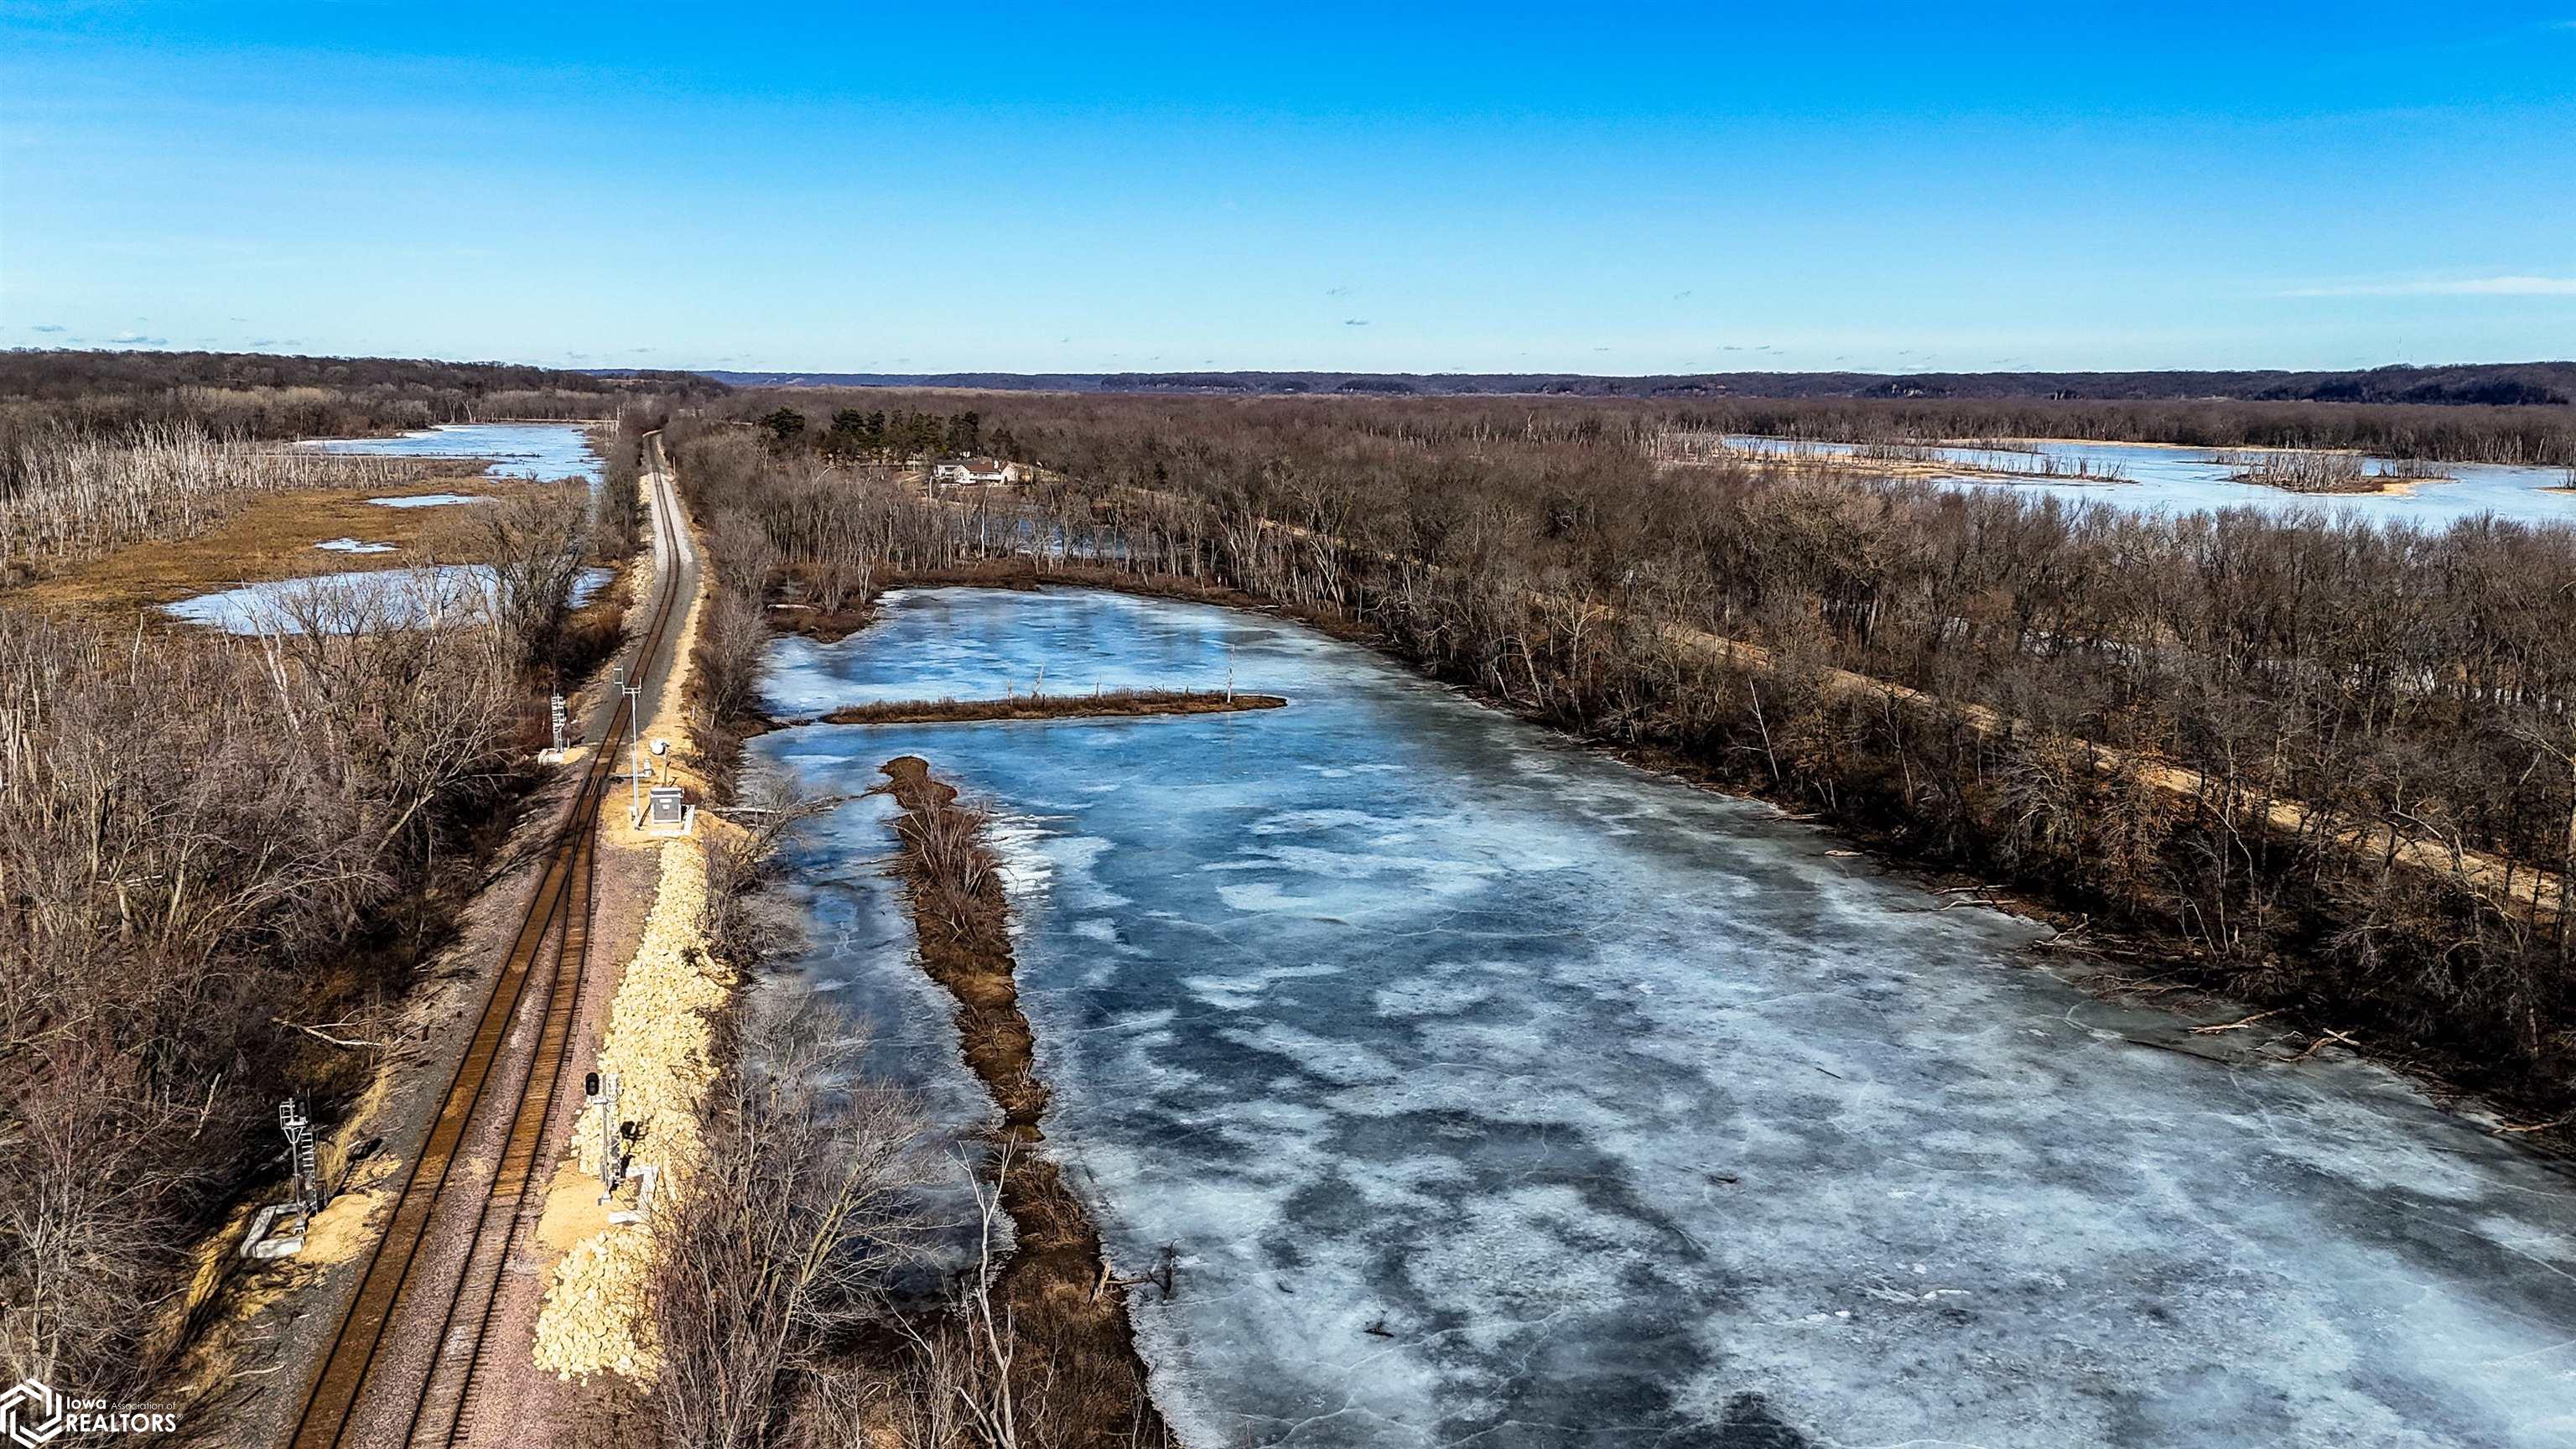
[374, 598]
[426, 500]
[516, 450]
[2186, 480]
[1492, 1090]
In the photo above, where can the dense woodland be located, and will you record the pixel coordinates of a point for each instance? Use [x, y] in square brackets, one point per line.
[2534, 435]
[2476, 383]
[250, 395]
[2411, 687]
[2453, 434]
[215, 843]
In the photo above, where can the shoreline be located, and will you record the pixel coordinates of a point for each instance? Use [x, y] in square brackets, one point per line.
[1795, 455]
[2452, 1082]
[2375, 486]
[1117, 704]
[1060, 1289]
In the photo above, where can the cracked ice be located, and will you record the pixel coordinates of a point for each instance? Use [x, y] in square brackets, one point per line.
[1496, 1092]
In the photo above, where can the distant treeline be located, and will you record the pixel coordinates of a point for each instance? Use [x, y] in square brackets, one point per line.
[2408, 689]
[2451, 434]
[2502, 384]
[2541, 436]
[261, 396]
[2517, 413]
[878, 435]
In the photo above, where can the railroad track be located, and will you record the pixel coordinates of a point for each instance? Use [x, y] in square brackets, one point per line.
[550, 955]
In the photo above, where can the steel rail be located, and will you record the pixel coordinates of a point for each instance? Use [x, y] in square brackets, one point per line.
[390, 1286]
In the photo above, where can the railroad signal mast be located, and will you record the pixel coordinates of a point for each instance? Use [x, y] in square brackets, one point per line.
[601, 1092]
[304, 1155]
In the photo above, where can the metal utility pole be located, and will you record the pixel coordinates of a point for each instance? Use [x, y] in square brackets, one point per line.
[634, 763]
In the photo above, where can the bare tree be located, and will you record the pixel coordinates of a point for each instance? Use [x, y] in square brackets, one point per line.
[783, 1235]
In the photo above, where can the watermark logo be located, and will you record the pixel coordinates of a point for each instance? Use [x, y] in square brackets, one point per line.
[31, 1414]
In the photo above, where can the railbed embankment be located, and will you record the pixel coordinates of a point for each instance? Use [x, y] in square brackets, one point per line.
[661, 1040]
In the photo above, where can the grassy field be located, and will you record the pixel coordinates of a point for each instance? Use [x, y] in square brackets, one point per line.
[273, 537]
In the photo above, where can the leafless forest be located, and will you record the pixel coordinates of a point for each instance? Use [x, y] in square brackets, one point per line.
[74, 492]
[225, 859]
[2346, 701]
[2444, 432]
[217, 843]
[255, 395]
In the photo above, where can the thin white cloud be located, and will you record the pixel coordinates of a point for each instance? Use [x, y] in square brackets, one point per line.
[2454, 287]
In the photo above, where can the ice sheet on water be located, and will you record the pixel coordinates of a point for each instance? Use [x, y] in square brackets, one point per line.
[985, 643]
[521, 450]
[364, 598]
[857, 955]
[428, 500]
[1488, 1087]
[2157, 479]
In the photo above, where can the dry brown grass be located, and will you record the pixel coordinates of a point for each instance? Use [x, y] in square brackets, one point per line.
[271, 537]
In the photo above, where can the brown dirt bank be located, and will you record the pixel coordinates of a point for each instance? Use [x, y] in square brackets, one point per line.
[1116, 703]
[1061, 1298]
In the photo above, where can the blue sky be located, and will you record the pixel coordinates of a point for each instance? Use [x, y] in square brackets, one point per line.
[1505, 187]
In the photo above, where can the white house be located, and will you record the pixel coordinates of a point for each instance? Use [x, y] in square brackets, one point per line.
[976, 470]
